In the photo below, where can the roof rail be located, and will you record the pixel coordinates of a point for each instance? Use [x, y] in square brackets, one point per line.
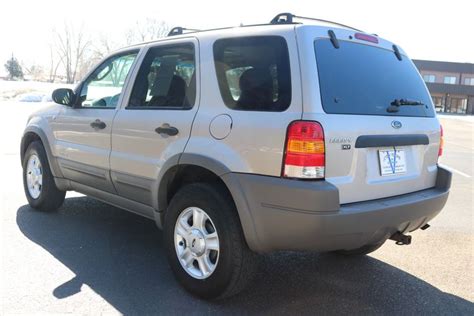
[180, 30]
[282, 18]
[288, 18]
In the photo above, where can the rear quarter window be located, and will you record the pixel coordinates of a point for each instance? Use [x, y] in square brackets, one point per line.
[363, 79]
[253, 73]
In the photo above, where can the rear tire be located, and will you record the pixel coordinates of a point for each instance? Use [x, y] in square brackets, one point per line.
[38, 181]
[232, 266]
[364, 250]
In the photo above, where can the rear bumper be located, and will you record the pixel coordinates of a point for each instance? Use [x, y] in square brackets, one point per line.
[281, 214]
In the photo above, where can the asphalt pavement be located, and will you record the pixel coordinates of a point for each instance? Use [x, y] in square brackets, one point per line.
[92, 258]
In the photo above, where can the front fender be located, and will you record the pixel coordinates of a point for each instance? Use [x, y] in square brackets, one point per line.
[36, 127]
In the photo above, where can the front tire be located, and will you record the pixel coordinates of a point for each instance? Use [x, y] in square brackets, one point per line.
[204, 241]
[38, 181]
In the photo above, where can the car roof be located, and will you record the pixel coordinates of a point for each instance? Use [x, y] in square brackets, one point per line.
[259, 29]
[219, 32]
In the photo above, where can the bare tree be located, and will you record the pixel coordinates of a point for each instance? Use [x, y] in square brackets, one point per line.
[72, 46]
[54, 64]
[146, 30]
[74, 50]
[102, 46]
[34, 71]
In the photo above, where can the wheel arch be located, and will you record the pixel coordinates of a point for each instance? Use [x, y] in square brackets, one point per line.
[193, 168]
[183, 169]
[34, 133]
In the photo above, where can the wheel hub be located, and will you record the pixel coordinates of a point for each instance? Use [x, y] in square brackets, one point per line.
[34, 176]
[196, 242]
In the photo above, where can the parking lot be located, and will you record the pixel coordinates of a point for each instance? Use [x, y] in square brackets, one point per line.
[92, 258]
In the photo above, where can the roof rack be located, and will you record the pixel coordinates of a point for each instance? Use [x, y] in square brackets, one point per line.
[287, 18]
[282, 18]
[180, 30]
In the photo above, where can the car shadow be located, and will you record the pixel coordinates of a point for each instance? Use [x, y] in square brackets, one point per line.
[120, 256]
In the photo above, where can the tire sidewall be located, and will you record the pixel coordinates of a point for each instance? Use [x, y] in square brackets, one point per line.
[217, 210]
[37, 149]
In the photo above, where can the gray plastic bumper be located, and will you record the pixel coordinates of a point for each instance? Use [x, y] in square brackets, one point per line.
[281, 214]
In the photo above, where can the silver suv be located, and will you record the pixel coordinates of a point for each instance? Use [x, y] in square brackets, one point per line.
[247, 140]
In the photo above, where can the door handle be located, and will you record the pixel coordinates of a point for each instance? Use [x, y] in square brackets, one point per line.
[167, 129]
[98, 124]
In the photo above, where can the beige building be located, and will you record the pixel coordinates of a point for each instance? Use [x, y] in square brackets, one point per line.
[451, 85]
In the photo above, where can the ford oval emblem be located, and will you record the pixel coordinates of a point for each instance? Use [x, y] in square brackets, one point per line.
[396, 124]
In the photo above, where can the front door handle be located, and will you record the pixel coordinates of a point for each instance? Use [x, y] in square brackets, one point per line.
[98, 124]
[167, 129]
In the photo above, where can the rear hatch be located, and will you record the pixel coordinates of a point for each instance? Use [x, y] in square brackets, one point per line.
[381, 133]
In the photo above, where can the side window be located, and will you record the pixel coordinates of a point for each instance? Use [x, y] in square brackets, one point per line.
[166, 79]
[254, 73]
[103, 87]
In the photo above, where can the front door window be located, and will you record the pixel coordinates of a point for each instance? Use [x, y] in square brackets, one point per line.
[103, 87]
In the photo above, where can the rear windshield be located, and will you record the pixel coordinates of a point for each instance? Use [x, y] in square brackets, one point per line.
[365, 80]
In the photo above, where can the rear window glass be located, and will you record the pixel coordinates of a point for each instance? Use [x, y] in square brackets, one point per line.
[362, 79]
[253, 73]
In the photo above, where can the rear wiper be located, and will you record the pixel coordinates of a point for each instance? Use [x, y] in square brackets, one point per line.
[395, 104]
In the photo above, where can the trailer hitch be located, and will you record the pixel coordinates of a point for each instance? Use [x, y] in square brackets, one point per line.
[401, 239]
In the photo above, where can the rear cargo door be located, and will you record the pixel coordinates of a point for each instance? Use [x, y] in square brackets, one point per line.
[381, 133]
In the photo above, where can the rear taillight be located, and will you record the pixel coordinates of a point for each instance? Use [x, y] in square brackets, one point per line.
[441, 141]
[304, 156]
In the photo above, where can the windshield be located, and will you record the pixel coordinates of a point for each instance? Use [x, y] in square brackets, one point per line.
[365, 80]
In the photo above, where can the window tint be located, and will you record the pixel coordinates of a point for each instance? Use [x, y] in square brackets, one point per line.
[253, 73]
[363, 79]
[103, 87]
[166, 79]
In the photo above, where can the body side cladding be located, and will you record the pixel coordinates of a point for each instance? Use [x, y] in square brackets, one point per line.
[115, 200]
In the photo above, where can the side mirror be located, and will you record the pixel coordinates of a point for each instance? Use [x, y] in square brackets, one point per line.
[64, 96]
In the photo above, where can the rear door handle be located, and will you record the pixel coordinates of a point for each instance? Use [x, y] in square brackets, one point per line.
[98, 124]
[167, 129]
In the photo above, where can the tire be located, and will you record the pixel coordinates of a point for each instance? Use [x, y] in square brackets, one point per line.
[48, 198]
[364, 250]
[235, 264]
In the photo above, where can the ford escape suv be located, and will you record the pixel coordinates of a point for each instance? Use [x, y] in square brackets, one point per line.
[244, 140]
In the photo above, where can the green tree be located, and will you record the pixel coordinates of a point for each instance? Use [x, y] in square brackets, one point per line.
[14, 69]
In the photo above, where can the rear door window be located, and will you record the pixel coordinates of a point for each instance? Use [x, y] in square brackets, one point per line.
[166, 79]
[253, 73]
[365, 80]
